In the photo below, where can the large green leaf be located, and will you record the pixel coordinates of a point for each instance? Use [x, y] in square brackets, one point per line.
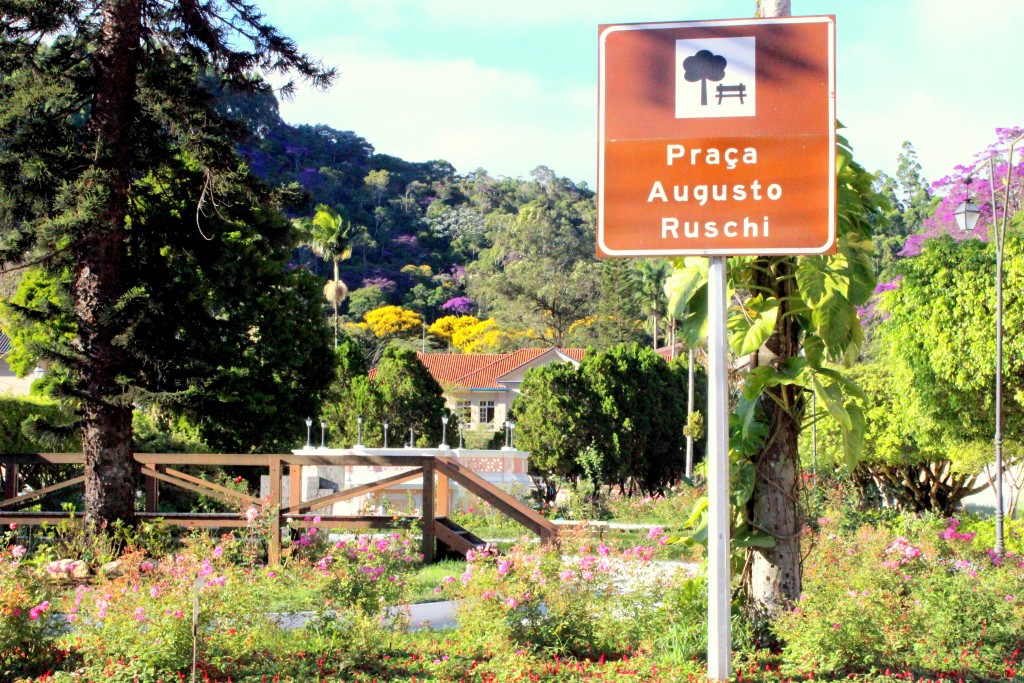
[698, 511]
[831, 395]
[682, 284]
[752, 324]
[811, 278]
[834, 319]
[853, 438]
[847, 385]
[694, 328]
[749, 538]
[858, 268]
[814, 350]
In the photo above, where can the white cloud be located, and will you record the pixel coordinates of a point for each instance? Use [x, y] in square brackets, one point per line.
[472, 116]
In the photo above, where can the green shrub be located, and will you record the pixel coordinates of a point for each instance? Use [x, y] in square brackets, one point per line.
[16, 412]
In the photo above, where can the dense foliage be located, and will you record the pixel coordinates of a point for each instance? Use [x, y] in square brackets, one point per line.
[616, 420]
[401, 392]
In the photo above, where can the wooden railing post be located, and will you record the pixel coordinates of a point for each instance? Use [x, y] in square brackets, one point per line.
[443, 495]
[294, 484]
[427, 510]
[10, 480]
[274, 549]
[152, 490]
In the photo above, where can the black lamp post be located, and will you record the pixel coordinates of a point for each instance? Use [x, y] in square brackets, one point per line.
[385, 433]
[309, 432]
[323, 433]
[444, 431]
[359, 431]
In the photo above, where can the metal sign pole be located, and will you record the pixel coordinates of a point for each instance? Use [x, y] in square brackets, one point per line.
[719, 588]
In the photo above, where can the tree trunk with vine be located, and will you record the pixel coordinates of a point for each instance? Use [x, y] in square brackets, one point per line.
[773, 507]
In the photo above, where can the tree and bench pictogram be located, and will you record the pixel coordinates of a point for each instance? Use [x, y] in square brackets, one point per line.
[706, 66]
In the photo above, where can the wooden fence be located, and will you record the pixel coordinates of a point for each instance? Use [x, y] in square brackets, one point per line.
[436, 472]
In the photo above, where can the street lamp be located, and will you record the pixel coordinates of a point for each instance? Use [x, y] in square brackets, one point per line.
[38, 372]
[359, 431]
[967, 214]
[444, 432]
[511, 434]
[385, 433]
[412, 437]
[309, 435]
[460, 434]
[323, 433]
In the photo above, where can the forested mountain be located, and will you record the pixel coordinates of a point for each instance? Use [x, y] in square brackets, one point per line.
[517, 252]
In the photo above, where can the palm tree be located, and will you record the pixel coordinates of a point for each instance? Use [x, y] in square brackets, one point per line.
[651, 276]
[329, 233]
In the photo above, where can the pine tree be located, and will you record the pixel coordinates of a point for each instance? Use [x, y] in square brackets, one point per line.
[102, 109]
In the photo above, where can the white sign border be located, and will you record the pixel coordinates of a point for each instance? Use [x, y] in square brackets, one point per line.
[825, 248]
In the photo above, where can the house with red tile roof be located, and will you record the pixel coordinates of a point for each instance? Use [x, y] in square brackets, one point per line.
[480, 388]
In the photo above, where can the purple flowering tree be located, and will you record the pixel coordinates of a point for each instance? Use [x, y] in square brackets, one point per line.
[461, 305]
[972, 181]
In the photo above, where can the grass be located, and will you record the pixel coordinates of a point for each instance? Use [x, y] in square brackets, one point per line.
[428, 577]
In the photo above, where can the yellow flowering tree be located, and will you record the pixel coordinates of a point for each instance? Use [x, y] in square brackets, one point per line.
[468, 333]
[447, 326]
[480, 337]
[392, 321]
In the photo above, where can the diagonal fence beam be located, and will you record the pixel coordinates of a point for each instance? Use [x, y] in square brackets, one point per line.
[503, 502]
[203, 488]
[40, 493]
[231, 493]
[354, 492]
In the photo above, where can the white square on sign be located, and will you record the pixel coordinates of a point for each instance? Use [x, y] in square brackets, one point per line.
[715, 78]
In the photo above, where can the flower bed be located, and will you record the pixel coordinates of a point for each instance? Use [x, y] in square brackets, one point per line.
[920, 600]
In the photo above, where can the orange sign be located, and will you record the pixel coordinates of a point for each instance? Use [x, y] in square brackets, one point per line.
[717, 137]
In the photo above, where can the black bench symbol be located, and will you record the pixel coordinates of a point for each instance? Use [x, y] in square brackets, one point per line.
[731, 91]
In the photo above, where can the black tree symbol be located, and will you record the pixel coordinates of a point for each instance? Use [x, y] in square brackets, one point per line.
[704, 66]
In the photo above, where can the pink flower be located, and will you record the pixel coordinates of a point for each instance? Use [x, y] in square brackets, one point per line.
[218, 551]
[146, 566]
[835, 627]
[13, 527]
[567, 575]
[252, 513]
[503, 567]
[654, 533]
[1009, 598]
[316, 520]
[154, 592]
[178, 614]
[36, 611]
[18, 552]
[271, 574]
[511, 603]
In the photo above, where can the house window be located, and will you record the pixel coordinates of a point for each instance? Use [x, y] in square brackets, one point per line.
[486, 412]
[464, 411]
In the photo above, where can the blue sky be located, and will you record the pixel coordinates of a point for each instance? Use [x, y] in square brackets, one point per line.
[510, 85]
